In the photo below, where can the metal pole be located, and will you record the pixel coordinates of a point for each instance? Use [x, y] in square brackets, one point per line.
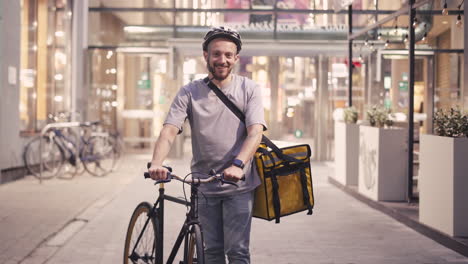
[40, 158]
[350, 56]
[412, 12]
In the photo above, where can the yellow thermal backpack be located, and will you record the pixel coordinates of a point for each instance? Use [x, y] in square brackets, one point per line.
[286, 178]
[285, 173]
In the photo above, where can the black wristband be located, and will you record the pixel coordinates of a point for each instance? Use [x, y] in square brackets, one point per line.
[238, 163]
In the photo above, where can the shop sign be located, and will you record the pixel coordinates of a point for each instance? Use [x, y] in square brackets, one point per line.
[144, 84]
[288, 26]
[403, 86]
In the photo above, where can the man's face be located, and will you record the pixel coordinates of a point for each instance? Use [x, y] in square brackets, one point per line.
[221, 58]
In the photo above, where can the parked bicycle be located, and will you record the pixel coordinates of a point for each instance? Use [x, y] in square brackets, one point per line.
[145, 233]
[95, 152]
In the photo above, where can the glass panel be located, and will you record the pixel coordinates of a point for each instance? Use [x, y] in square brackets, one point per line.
[57, 87]
[27, 106]
[198, 18]
[448, 91]
[127, 26]
[389, 5]
[130, 92]
[44, 87]
[297, 80]
[126, 3]
[364, 5]
[234, 4]
[263, 4]
[238, 4]
[102, 100]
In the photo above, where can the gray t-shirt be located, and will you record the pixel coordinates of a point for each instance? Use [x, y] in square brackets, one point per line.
[217, 133]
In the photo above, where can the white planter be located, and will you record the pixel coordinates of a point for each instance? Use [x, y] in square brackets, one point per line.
[443, 184]
[382, 163]
[346, 153]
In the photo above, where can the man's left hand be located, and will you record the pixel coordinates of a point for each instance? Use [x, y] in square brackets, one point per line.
[233, 174]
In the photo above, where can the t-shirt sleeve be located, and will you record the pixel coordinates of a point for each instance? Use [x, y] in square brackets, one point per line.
[254, 113]
[179, 109]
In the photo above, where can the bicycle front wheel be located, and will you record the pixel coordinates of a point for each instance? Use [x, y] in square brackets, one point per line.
[141, 238]
[194, 253]
[51, 157]
[99, 156]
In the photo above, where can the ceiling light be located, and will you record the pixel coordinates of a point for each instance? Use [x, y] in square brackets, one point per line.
[445, 10]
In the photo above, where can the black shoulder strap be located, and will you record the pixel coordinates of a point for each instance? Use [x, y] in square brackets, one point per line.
[225, 99]
[241, 116]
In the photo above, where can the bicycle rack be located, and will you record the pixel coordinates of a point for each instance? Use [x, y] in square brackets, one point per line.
[43, 132]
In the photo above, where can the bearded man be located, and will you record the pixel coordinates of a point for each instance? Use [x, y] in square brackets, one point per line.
[222, 142]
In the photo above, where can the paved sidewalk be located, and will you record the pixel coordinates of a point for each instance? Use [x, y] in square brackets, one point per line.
[32, 213]
[84, 220]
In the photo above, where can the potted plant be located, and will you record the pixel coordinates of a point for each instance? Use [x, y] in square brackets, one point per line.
[444, 174]
[382, 157]
[347, 147]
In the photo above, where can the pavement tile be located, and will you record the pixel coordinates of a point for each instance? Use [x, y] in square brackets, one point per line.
[342, 230]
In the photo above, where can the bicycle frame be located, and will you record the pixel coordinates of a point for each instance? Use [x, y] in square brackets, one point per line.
[62, 141]
[158, 209]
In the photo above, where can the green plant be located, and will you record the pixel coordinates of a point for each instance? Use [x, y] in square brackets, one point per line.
[379, 116]
[451, 123]
[350, 115]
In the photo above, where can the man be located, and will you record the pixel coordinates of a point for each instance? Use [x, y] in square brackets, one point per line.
[222, 142]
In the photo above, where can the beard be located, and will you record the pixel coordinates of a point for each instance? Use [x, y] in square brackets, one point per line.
[217, 76]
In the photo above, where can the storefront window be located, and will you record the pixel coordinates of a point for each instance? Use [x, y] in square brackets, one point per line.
[296, 79]
[45, 88]
[102, 100]
[28, 92]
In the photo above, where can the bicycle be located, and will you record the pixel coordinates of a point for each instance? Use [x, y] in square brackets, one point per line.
[145, 236]
[95, 152]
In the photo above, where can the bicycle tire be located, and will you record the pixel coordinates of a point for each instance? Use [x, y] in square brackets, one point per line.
[98, 156]
[195, 253]
[52, 157]
[70, 142]
[145, 252]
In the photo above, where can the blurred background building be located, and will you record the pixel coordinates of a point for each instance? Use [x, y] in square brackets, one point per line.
[123, 61]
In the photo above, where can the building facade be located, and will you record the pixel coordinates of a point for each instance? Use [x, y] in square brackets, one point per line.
[121, 62]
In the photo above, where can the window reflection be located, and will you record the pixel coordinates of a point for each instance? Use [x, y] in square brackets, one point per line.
[44, 70]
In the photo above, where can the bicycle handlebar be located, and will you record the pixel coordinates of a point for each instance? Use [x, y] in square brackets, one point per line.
[194, 180]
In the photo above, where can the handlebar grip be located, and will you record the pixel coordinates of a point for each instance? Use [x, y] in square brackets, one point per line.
[148, 165]
[169, 177]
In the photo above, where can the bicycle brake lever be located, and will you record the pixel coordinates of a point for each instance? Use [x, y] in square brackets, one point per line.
[223, 181]
[169, 178]
[229, 182]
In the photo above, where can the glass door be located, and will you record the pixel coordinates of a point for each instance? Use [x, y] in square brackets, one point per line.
[130, 92]
[144, 96]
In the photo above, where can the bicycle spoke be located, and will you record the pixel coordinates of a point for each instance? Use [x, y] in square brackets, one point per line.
[140, 243]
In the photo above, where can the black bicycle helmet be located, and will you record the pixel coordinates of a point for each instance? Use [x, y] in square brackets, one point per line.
[222, 32]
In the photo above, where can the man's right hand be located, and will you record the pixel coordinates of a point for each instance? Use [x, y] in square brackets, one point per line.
[158, 173]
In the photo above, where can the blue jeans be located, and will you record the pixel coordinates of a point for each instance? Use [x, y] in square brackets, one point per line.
[226, 225]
